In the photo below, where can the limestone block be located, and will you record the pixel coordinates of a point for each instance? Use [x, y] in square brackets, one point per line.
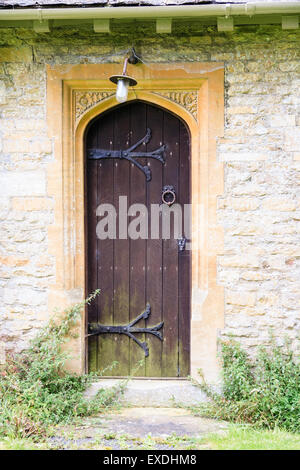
[242, 156]
[290, 301]
[200, 40]
[44, 261]
[242, 229]
[242, 110]
[253, 312]
[254, 276]
[282, 120]
[16, 54]
[27, 145]
[2, 92]
[22, 183]
[279, 204]
[23, 325]
[24, 296]
[274, 262]
[239, 203]
[292, 139]
[239, 261]
[256, 188]
[241, 298]
[13, 261]
[229, 276]
[29, 124]
[268, 299]
[289, 66]
[4, 203]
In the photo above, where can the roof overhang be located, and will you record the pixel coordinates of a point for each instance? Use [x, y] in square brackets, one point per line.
[180, 11]
[224, 13]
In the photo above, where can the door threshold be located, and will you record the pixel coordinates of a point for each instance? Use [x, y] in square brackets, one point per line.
[143, 392]
[122, 377]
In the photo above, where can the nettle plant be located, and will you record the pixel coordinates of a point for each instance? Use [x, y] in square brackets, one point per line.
[35, 389]
[264, 391]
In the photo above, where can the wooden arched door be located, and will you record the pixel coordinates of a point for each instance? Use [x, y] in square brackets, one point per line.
[147, 274]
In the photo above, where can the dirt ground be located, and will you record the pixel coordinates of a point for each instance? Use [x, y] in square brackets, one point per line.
[139, 428]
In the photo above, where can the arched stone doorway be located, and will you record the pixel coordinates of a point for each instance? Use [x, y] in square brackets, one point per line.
[195, 93]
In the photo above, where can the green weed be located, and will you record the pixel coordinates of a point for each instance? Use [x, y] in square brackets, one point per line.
[37, 392]
[264, 392]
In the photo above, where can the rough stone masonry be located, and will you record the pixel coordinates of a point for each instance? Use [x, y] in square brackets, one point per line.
[260, 207]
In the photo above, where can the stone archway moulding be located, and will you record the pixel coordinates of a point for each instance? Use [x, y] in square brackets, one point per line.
[195, 93]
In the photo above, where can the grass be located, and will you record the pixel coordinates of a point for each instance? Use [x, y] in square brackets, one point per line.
[247, 438]
[22, 444]
[236, 437]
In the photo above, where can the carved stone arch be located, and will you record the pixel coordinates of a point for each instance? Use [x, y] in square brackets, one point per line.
[88, 99]
[109, 102]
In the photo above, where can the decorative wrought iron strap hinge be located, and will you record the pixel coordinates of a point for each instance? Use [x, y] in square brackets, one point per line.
[128, 154]
[98, 329]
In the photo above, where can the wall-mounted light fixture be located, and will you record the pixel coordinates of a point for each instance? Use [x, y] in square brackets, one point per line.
[123, 81]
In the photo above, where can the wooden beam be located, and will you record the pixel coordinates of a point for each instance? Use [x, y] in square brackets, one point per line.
[225, 24]
[164, 25]
[41, 26]
[102, 26]
[290, 22]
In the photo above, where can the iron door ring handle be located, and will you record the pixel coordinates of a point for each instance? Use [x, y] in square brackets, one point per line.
[167, 192]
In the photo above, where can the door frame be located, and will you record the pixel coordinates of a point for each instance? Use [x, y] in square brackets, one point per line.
[195, 93]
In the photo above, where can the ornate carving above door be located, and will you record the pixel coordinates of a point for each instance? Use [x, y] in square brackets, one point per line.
[85, 100]
[186, 98]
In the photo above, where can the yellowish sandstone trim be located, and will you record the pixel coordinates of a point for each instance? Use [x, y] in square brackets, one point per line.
[66, 185]
[31, 203]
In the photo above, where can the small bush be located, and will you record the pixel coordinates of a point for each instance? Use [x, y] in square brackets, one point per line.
[35, 389]
[264, 392]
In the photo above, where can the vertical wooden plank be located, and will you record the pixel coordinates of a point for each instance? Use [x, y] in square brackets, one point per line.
[184, 267]
[105, 248]
[121, 246]
[154, 247]
[170, 255]
[92, 188]
[138, 253]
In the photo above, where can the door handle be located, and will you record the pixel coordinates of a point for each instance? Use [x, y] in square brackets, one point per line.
[181, 243]
[168, 195]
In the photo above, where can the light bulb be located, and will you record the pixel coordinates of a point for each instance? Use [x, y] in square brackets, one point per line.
[122, 90]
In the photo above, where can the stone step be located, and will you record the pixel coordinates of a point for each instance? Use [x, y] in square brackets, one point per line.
[157, 393]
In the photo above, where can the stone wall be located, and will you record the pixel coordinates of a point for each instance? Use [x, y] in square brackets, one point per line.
[260, 150]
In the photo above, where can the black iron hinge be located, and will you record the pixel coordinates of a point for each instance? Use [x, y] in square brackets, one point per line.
[128, 154]
[98, 329]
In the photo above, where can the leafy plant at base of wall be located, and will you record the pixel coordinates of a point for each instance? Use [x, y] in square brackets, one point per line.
[35, 389]
[264, 392]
